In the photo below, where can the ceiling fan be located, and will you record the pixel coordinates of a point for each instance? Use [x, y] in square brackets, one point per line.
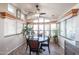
[38, 10]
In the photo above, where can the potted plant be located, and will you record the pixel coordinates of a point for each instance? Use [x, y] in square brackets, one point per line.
[55, 37]
[27, 31]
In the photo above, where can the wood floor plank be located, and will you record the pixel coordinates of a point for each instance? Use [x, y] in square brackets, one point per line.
[54, 50]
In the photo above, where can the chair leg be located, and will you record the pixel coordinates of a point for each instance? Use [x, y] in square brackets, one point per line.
[30, 52]
[42, 48]
[49, 49]
[37, 53]
[26, 48]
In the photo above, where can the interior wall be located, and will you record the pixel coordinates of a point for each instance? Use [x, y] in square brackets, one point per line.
[1, 36]
[12, 42]
[9, 43]
[61, 41]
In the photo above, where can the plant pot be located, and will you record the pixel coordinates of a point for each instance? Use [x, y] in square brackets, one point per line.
[55, 39]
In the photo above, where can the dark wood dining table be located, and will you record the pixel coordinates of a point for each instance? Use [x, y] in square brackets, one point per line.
[42, 38]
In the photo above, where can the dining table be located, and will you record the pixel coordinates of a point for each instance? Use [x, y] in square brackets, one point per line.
[41, 38]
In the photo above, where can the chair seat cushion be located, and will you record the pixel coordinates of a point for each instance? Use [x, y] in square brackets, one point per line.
[45, 43]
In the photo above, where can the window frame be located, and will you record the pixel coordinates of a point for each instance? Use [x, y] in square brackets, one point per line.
[18, 13]
[65, 28]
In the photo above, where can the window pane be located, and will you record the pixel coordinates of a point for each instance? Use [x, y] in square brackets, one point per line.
[53, 26]
[35, 32]
[53, 29]
[41, 32]
[62, 28]
[19, 27]
[70, 28]
[35, 21]
[58, 28]
[22, 16]
[41, 26]
[47, 33]
[18, 13]
[10, 8]
[41, 20]
[35, 27]
[46, 20]
[47, 26]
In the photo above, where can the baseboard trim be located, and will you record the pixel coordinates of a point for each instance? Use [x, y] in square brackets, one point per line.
[15, 48]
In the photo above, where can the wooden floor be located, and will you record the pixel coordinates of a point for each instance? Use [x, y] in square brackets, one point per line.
[54, 50]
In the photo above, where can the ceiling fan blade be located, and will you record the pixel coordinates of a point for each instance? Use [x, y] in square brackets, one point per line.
[42, 13]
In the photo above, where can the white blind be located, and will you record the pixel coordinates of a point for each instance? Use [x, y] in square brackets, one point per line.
[71, 28]
[9, 27]
[19, 27]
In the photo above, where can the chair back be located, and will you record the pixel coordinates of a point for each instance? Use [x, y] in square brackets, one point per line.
[27, 39]
[33, 44]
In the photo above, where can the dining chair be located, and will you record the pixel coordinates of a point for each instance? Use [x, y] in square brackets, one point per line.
[26, 38]
[46, 44]
[34, 46]
[27, 43]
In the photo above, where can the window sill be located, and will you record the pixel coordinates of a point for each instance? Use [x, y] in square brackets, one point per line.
[66, 37]
[12, 35]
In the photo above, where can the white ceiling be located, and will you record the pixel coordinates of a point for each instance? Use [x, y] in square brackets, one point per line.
[52, 10]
